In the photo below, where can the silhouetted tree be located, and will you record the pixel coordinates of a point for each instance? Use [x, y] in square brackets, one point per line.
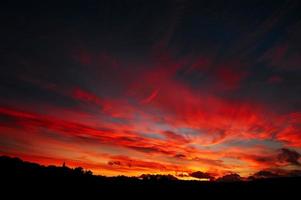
[88, 172]
[79, 170]
[53, 179]
[229, 178]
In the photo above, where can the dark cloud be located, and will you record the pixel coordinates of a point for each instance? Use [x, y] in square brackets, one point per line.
[180, 156]
[282, 157]
[118, 163]
[294, 173]
[289, 156]
[265, 174]
[275, 173]
[182, 175]
[201, 175]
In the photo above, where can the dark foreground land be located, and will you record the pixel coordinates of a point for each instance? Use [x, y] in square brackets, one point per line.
[24, 179]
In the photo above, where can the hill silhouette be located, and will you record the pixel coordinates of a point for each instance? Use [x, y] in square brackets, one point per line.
[32, 180]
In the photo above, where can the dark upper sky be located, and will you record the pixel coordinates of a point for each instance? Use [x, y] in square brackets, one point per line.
[128, 87]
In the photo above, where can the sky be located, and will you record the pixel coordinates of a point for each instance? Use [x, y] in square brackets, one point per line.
[160, 87]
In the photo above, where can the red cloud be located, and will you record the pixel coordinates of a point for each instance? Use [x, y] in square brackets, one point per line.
[151, 97]
[102, 135]
[175, 137]
[290, 130]
[290, 135]
[125, 162]
[230, 77]
[152, 115]
[87, 97]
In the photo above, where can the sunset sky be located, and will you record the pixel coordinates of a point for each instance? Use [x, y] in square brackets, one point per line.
[161, 87]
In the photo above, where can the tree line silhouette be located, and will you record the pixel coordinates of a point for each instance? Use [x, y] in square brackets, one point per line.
[31, 178]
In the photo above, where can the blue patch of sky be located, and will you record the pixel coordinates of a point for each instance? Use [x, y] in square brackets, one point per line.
[270, 144]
